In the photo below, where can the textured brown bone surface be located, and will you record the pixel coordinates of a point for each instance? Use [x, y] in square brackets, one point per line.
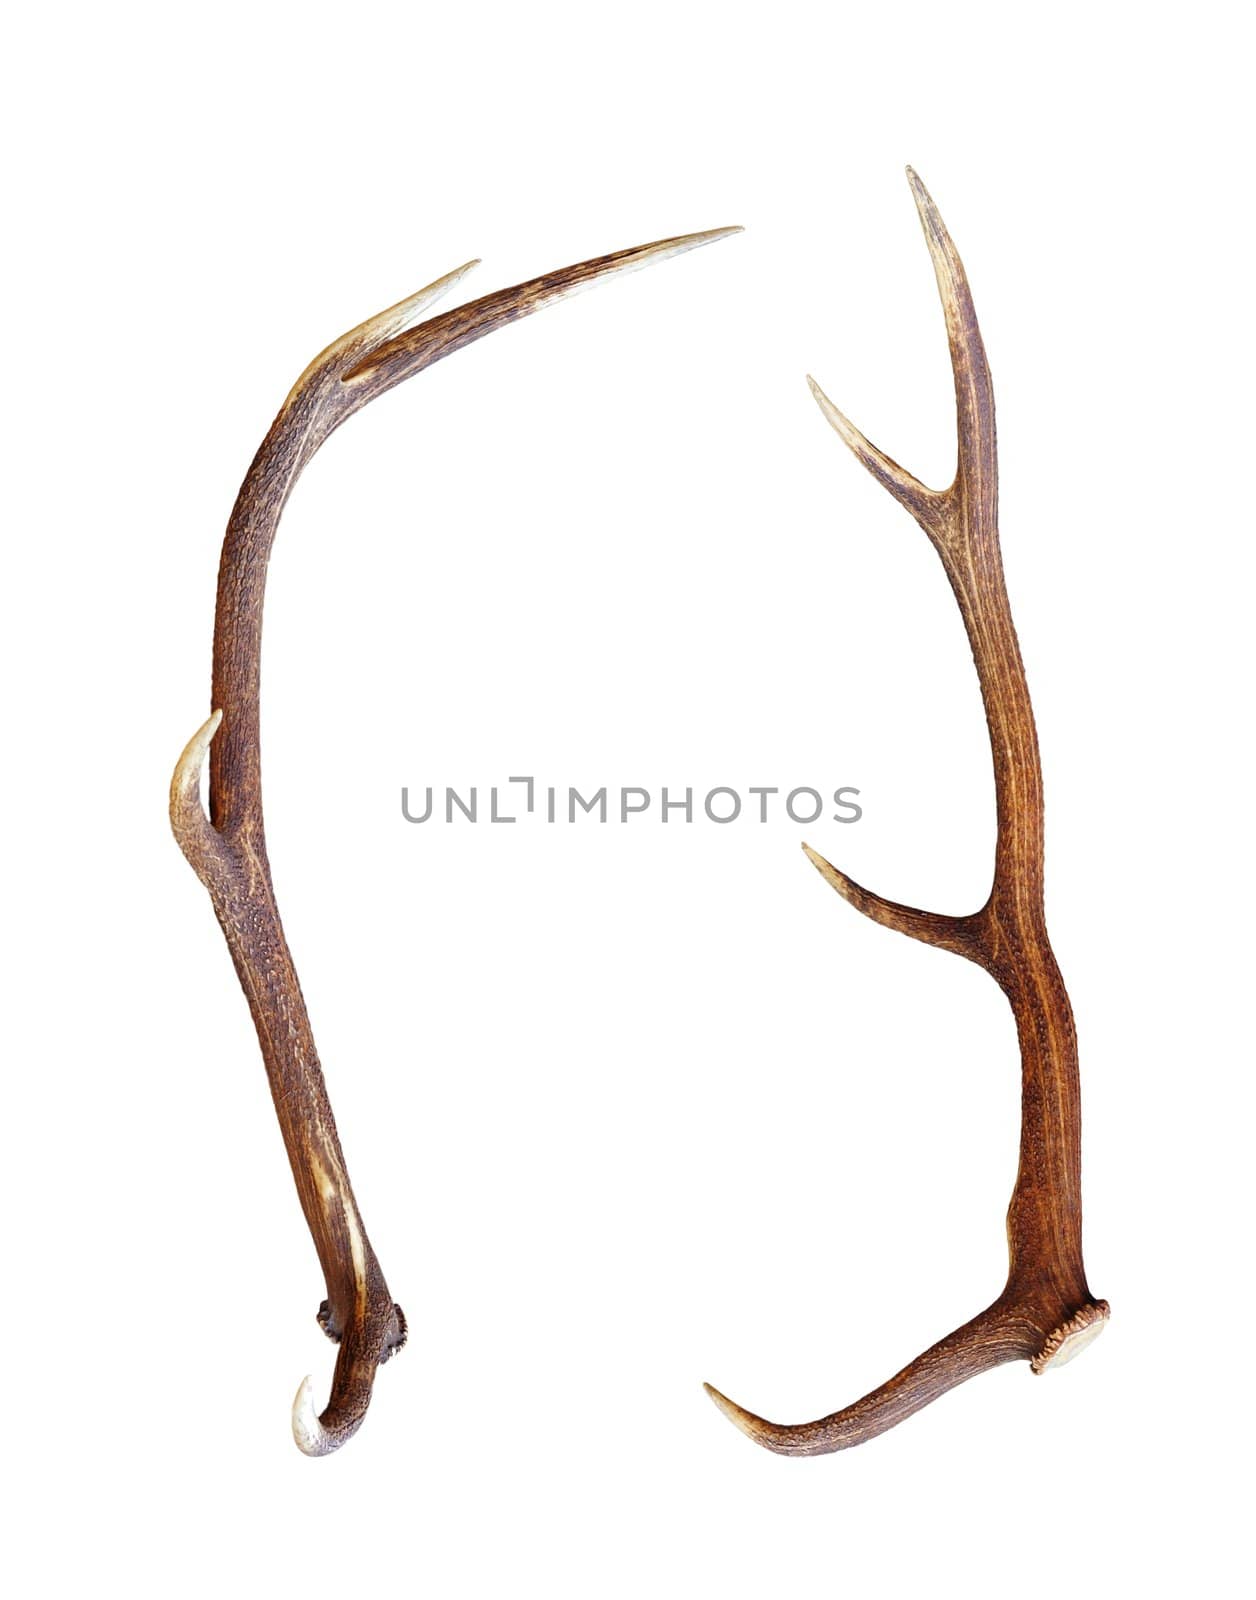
[227, 847]
[1046, 1313]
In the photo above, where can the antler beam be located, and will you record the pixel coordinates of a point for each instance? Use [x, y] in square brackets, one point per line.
[227, 847]
[1046, 1313]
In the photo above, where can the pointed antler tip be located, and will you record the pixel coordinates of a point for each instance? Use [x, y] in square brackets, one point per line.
[833, 416]
[459, 273]
[312, 1439]
[691, 241]
[391, 322]
[822, 866]
[447, 280]
[196, 835]
[753, 1427]
[450, 281]
[721, 1400]
[694, 241]
[364, 347]
[924, 504]
[187, 772]
[925, 203]
[838, 420]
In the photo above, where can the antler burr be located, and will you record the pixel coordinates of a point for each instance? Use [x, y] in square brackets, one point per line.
[227, 847]
[1046, 1313]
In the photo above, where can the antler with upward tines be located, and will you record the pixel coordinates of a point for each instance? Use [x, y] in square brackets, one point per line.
[1046, 1313]
[227, 848]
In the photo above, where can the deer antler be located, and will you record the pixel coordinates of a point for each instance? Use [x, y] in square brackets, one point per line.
[1046, 1313]
[227, 848]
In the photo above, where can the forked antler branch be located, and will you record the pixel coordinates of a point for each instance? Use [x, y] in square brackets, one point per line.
[1046, 1313]
[227, 848]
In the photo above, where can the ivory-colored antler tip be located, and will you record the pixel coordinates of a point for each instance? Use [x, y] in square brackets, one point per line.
[835, 418]
[201, 739]
[307, 1430]
[644, 254]
[454, 273]
[427, 296]
[837, 879]
[197, 838]
[906, 489]
[740, 1418]
[708, 236]
[187, 772]
[824, 867]
[925, 203]
[930, 217]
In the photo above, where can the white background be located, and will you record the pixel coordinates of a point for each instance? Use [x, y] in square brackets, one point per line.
[626, 1107]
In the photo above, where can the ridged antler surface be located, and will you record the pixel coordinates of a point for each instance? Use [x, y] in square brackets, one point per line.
[227, 848]
[1046, 1312]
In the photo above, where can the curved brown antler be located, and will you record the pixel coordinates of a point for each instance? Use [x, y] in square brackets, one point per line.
[1046, 1313]
[227, 848]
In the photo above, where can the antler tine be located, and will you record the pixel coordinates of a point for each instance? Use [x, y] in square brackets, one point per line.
[351, 347]
[988, 1341]
[197, 838]
[227, 848]
[1046, 1312]
[976, 475]
[929, 927]
[928, 506]
[383, 368]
